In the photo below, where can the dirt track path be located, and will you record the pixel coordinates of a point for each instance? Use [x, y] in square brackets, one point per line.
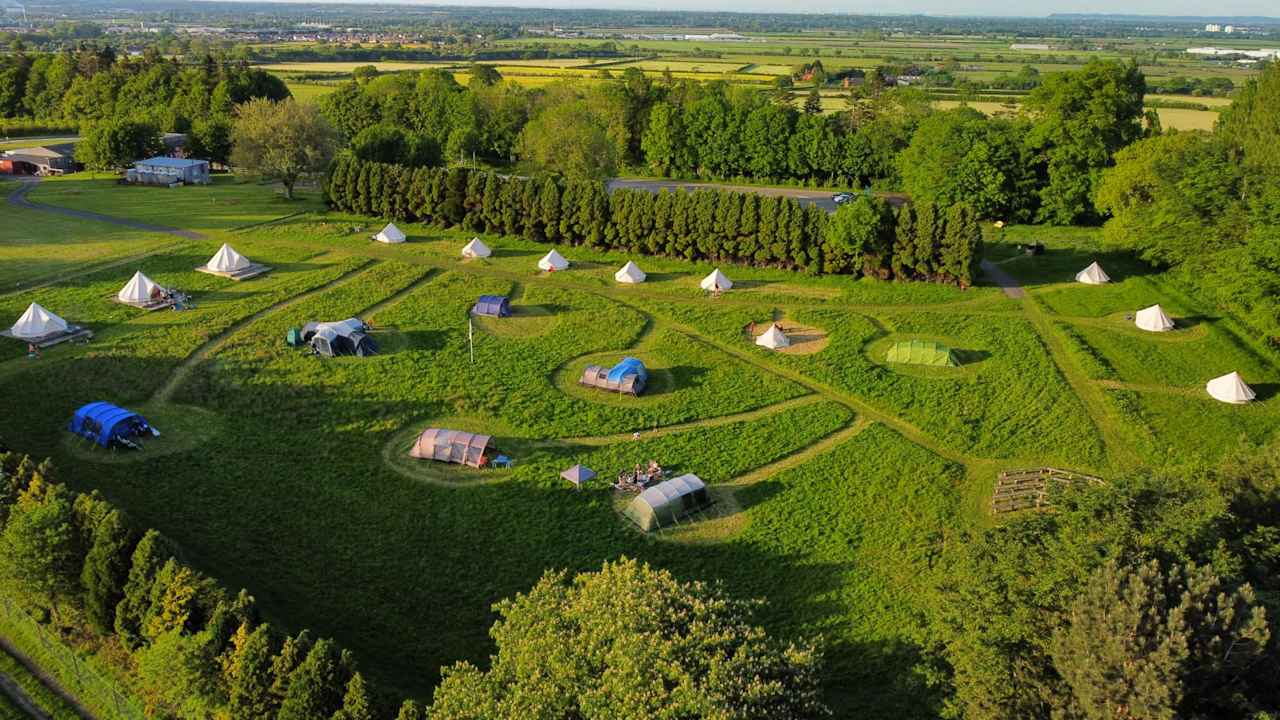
[18, 198]
[1007, 282]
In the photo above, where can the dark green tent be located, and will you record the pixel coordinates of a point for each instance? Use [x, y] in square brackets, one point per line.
[922, 352]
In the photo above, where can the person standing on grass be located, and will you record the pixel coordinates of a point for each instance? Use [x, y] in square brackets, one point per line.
[33, 351]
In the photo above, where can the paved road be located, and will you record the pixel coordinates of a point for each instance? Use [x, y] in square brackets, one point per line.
[821, 198]
[19, 198]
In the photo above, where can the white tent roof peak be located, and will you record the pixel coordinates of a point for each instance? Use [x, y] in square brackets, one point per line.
[1230, 388]
[773, 338]
[630, 273]
[716, 281]
[228, 260]
[476, 249]
[37, 322]
[553, 261]
[390, 234]
[138, 289]
[1093, 275]
[1153, 319]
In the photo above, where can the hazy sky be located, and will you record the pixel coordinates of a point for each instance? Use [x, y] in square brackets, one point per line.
[1031, 8]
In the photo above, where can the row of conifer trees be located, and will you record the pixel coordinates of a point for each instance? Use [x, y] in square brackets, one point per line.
[927, 242]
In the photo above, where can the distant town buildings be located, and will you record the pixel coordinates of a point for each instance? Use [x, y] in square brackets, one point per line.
[1213, 27]
[1259, 54]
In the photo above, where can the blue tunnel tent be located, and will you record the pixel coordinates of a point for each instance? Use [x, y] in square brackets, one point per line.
[108, 424]
[628, 376]
[493, 306]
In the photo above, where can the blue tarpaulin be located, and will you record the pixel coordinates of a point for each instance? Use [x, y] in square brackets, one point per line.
[103, 422]
[628, 366]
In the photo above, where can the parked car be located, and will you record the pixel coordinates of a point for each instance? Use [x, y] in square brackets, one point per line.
[842, 198]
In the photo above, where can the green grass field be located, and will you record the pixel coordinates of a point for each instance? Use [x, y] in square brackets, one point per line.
[837, 475]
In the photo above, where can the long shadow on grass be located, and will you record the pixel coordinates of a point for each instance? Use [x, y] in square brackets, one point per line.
[1061, 265]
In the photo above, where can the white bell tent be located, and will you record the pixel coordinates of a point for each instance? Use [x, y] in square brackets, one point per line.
[1153, 319]
[37, 322]
[630, 273]
[390, 235]
[476, 249]
[1093, 275]
[553, 261]
[139, 289]
[228, 260]
[716, 281]
[773, 338]
[1230, 388]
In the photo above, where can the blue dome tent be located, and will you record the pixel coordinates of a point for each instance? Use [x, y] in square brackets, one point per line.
[108, 424]
[493, 306]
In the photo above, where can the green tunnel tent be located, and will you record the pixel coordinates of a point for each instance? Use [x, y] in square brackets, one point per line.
[922, 352]
[665, 503]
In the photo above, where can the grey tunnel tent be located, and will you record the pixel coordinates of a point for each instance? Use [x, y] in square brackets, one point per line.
[453, 446]
[665, 503]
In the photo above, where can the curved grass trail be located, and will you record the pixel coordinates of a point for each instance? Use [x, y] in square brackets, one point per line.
[801, 456]
[180, 373]
[600, 440]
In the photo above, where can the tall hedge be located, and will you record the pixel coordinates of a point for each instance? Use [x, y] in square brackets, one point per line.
[710, 225]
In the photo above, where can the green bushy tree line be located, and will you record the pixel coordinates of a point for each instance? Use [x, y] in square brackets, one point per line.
[1149, 596]
[192, 649]
[710, 225]
[1208, 204]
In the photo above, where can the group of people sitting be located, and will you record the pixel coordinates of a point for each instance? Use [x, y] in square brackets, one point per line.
[640, 477]
[177, 299]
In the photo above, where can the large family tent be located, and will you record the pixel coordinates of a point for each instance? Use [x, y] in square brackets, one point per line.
[552, 261]
[667, 502]
[716, 281]
[629, 376]
[140, 290]
[1153, 319]
[922, 352]
[345, 337]
[390, 235]
[230, 264]
[37, 323]
[578, 474]
[476, 249]
[453, 446]
[492, 306]
[1230, 388]
[109, 425]
[773, 338]
[1093, 275]
[630, 274]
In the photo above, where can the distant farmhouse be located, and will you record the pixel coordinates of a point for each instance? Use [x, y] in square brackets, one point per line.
[39, 160]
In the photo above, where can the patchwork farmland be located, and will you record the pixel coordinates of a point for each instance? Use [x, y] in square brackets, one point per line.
[836, 476]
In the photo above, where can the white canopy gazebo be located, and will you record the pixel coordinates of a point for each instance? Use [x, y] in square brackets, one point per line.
[1093, 275]
[553, 261]
[1153, 319]
[773, 338]
[476, 249]
[716, 281]
[1230, 388]
[390, 235]
[630, 273]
